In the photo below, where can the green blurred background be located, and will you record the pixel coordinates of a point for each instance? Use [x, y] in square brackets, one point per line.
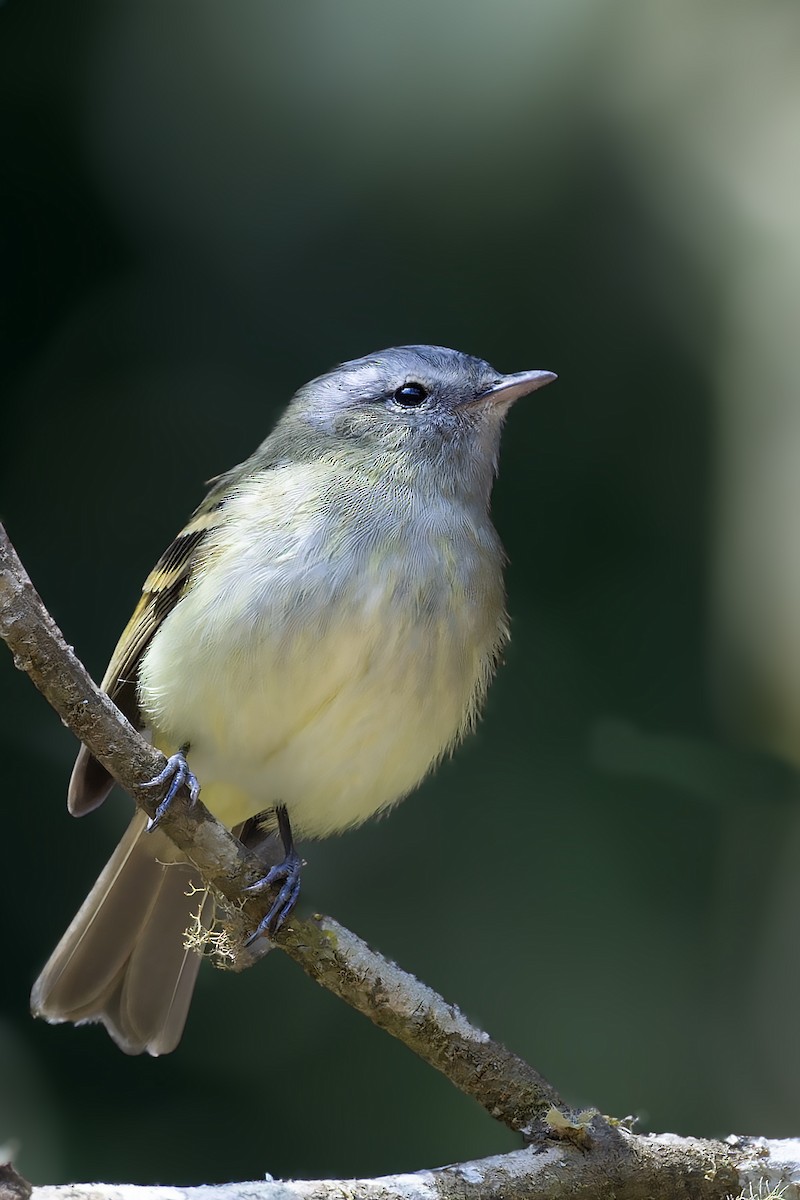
[203, 205]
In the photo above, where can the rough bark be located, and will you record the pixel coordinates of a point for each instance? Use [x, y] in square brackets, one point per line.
[620, 1166]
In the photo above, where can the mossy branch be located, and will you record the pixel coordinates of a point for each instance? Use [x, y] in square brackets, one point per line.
[508, 1087]
[620, 1164]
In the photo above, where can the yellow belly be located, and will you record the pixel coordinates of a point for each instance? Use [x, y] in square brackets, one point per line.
[332, 697]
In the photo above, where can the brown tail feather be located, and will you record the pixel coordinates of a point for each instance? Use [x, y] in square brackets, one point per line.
[122, 961]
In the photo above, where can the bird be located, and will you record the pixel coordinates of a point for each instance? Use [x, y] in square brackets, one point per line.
[321, 632]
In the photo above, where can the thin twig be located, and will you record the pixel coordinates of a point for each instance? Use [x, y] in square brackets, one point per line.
[508, 1087]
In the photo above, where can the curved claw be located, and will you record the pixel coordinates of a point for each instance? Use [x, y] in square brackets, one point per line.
[177, 773]
[288, 871]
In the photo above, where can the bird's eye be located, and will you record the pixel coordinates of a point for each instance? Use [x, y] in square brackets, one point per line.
[411, 395]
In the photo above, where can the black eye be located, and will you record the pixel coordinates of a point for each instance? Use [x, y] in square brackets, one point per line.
[411, 395]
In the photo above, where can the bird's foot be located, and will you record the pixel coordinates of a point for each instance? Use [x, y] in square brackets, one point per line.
[288, 874]
[176, 773]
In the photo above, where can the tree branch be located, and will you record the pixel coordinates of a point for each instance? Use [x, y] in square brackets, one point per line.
[508, 1087]
[580, 1157]
[622, 1165]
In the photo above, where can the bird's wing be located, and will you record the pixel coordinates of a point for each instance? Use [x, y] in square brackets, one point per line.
[90, 782]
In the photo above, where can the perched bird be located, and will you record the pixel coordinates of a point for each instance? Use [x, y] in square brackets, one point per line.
[318, 635]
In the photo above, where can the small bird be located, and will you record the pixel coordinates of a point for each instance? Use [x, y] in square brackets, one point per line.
[321, 632]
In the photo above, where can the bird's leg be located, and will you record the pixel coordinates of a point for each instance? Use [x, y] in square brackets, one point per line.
[176, 773]
[287, 873]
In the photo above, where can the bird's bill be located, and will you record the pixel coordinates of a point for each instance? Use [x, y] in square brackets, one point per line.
[512, 387]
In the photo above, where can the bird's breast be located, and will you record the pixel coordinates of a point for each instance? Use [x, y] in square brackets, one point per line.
[328, 660]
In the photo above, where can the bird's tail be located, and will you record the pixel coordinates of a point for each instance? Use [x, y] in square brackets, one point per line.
[123, 961]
